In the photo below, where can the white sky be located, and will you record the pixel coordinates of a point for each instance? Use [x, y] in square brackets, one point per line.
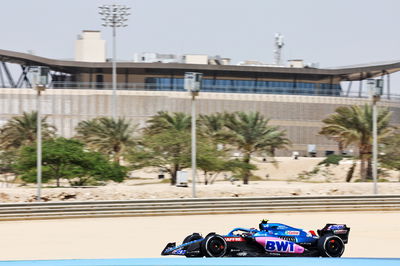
[330, 32]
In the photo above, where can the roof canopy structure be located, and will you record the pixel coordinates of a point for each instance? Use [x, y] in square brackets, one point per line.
[358, 72]
[88, 73]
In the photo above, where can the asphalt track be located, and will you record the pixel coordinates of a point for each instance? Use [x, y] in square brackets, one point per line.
[210, 262]
[96, 242]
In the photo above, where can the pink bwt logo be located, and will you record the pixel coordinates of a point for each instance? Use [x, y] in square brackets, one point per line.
[274, 244]
[280, 246]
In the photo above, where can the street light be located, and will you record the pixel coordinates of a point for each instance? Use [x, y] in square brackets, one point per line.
[193, 84]
[114, 16]
[375, 87]
[39, 79]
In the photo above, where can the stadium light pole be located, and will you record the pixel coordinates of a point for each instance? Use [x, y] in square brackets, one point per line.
[114, 16]
[39, 79]
[375, 87]
[39, 90]
[193, 84]
[194, 163]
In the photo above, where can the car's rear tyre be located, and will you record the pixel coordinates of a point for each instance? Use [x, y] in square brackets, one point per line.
[330, 246]
[214, 245]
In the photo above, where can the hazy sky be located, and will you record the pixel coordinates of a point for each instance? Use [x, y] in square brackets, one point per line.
[330, 32]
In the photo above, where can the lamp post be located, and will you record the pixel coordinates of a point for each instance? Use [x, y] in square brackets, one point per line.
[114, 16]
[193, 84]
[39, 79]
[375, 87]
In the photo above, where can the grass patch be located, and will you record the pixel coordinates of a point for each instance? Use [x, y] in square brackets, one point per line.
[383, 180]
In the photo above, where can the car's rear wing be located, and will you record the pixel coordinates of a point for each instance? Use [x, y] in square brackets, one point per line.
[340, 230]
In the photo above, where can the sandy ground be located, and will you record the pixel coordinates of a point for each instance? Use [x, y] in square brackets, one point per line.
[128, 191]
[373, 234]
[274, 179]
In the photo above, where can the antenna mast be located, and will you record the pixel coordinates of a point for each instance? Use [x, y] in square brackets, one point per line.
[278, 49]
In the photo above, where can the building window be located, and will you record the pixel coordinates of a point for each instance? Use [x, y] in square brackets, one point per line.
[247, 86]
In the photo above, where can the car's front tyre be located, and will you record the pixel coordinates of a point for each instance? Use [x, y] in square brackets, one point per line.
[192, 237]
[192, 251]
[214, 245]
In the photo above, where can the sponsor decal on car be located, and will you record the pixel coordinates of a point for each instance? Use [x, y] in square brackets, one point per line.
[274, 244]
[279, 246]
[305, 243]
[179, 252]
[234, 239]
[292, 233]
[340, 232]
[336, 226]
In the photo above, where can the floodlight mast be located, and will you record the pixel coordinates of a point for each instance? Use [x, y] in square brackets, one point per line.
[114, 16]
[192, 83]
[38, 76]
[375, 87]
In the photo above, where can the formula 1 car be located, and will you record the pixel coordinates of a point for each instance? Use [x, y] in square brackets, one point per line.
[271, 239]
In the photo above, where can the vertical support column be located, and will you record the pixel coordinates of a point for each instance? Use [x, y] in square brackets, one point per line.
[114, 78]
[388, 85]
[349, 88]
[375, 144]
[39, 146]
[360, 85]
[194, 170]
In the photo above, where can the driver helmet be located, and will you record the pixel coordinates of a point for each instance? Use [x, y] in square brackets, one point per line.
[263, 224]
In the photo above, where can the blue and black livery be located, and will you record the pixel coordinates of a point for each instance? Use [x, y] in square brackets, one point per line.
[271, 239]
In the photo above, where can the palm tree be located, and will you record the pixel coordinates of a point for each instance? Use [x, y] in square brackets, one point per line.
[213, 127]
[352, 125]
[167, 136]
[391, 156]
[163, 121]
[251, 133]
[107, 135]
[21, 130]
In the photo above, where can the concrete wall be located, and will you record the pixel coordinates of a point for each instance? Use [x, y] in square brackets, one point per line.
[300, 116]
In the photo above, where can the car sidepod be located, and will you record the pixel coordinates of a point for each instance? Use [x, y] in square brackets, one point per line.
[278, 245]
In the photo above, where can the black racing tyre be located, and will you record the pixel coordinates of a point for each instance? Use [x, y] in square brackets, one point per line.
[214, 245]
[192, 237]
[330, 246]
[192, 248]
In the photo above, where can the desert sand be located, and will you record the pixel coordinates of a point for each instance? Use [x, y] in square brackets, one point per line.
[373, 234]
[127, 191]
[273, 179]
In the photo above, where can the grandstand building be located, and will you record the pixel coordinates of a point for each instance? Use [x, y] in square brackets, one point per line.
[296, 98]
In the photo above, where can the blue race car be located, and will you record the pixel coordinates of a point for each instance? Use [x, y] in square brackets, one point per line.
[271, 239]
